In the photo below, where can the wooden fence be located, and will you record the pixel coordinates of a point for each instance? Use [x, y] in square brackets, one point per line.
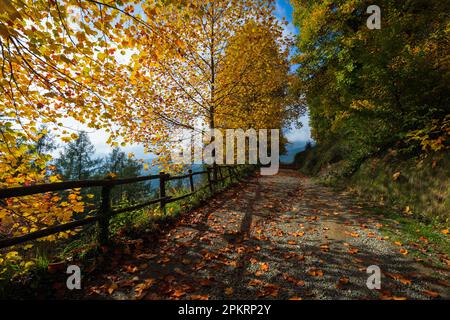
[105, 211]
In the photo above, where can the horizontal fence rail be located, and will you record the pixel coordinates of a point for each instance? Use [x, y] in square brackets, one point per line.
[105, 211]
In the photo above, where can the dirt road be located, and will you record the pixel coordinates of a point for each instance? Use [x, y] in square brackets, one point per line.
[273, 237]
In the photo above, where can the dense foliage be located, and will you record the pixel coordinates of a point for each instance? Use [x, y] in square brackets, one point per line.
[368, 90]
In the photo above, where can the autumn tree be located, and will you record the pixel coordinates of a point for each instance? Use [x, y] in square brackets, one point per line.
[23, 164]
[140, 70]
[71, 59]
[52, 57]
[182, 89]
[257, 81]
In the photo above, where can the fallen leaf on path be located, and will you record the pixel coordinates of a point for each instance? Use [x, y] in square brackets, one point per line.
[231, 263]
[264, 267]
[424, 240]
[255, 282]
[315, 272]
[342, 283]
[128, 282]
[430, 293]
[139, 289]
[143, 266]
[268, 290]
[178, 294]
[398, 277]
[206, 282]
[146, 256]
[290, 279]
[113, 287]
[344, 280]
[386, 295]
[229, 291]
[163, 260]
[131, 268]
[404, 251]
[444, 282]
[199, 297]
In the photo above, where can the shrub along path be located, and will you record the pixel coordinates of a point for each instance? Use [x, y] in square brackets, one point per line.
[273, 237]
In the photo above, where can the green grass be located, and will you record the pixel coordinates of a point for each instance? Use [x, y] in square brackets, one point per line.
[410, 231]
[422, 186]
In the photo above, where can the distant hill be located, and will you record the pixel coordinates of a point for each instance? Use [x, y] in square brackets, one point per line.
[292, 149]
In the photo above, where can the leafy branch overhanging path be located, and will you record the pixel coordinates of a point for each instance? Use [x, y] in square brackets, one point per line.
[273, 237]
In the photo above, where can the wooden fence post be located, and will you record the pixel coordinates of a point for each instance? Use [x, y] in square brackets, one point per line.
[105, 211]
[209, 181]
[191, 180]
[236, 174]
[220, 174]
[162, 191]
[230, 174]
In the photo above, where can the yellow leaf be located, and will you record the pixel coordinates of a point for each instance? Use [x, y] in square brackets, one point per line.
[12, 255]
[229, 291]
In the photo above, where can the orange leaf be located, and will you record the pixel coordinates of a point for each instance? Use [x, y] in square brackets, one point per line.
[315, 272]
[112, 288]
[344, 280]
[178, 294]
[199, 297]
[430, 293]
[264, 267]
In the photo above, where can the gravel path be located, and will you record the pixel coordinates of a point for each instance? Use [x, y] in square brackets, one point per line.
[274, 237]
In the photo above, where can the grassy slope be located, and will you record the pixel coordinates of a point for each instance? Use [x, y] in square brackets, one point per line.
[414, 193]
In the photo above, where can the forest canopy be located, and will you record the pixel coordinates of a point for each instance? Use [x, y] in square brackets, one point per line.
[140, 71]
[372, 89]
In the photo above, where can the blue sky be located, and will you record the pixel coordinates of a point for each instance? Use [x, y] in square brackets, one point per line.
[284, 9]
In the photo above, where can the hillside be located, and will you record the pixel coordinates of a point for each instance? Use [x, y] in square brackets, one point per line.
[416, 185]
